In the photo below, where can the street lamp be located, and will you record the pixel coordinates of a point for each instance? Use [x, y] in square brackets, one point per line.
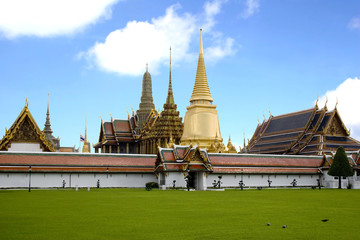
[29, 178]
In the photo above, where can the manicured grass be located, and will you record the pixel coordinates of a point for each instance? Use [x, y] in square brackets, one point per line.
[177, 214]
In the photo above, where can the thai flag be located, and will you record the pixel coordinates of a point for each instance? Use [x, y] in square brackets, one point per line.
[82, 138]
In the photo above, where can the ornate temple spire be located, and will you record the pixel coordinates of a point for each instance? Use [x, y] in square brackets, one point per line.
[86, 148]
[146, 103]
[201, 123]
[170, 96]
[201, 89]
[47, 128]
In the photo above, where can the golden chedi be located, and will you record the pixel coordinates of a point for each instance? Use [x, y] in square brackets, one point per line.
[201, 123]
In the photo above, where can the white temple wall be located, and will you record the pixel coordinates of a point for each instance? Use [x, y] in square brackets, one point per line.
[49, 180]
[178, 176]
[138, 180]
[25, 147]
[261, 180]
[333, 182]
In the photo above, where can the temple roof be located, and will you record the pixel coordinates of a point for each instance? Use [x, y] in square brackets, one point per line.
[312, 132]
[70, 162]
[117, 130]
[190, 159]
[25, 129]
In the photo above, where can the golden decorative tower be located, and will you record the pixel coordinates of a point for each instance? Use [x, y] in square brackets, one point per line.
[86, 148]
[201, 124]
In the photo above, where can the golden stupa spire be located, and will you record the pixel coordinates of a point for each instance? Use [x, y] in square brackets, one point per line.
[85, 148]
[201, 89]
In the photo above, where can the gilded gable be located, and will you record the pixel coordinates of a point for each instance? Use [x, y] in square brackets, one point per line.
[26, 132]
[336, 127]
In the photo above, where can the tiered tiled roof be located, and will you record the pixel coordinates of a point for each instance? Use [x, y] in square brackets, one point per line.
[187, 158]
[265, 164]
[183, 159]
[117, 130]
[69, 162]
[311, 132]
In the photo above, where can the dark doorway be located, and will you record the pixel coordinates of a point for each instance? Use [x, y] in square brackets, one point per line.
[192, 179]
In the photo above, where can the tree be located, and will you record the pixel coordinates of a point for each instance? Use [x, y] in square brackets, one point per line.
[340, 167]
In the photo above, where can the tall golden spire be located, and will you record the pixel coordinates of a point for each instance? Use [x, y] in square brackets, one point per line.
[85, 148]
[170, 96]
[201, 123]
[201, 89]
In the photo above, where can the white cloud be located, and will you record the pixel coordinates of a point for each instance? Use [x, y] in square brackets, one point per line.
[44, 18]
[354, 23]
[224, 48]
[252, 6]
[348, 97]
[127, 50]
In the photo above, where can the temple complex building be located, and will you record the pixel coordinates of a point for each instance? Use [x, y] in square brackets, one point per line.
[124, 136]
[201, 123]
[309, 132]
[25, 135]
[117, 136]
[168, 126]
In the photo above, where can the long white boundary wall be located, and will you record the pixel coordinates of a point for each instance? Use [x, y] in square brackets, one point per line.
[51, 180]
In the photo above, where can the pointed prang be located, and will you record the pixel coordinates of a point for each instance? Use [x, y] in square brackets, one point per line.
[201, 89]
[47, 128]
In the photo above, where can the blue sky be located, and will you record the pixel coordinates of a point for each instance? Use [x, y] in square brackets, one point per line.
[91, 56]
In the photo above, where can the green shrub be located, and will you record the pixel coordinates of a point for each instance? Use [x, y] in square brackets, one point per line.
[151, 185]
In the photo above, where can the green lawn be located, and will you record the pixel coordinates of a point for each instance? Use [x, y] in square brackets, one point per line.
[177, 214]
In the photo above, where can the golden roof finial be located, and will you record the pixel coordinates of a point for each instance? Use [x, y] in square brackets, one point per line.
[85, 148]
[133, 113]
[111, 117]
[269, 111]
[201, 89]
[317, 100]
[101, 118]
[244, 140]
[326, 101]
[26, 102]
[258, 119]
[336, 103]
[86, 127]
[264, 116]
